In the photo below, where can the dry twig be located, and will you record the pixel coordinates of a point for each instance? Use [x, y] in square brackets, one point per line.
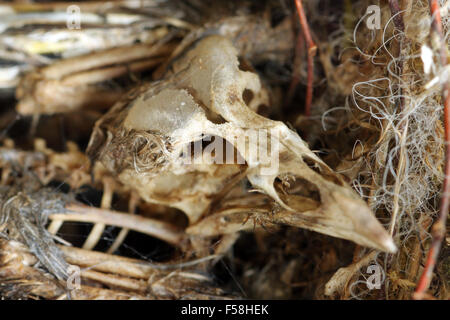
[438, 229]
[312, 49]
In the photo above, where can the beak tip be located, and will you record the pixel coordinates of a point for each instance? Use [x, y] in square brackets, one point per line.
[390, 245]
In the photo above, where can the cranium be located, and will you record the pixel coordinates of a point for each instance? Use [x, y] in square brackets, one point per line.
[145, 140]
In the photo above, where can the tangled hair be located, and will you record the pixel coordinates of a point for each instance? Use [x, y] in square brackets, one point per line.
[402, 158]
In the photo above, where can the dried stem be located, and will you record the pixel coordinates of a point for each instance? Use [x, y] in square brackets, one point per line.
[108, 263]
[96, 60]
[103, 74]
[438, 229]
[115, 281]
[398, 19]
[403, 126]
[312, 49]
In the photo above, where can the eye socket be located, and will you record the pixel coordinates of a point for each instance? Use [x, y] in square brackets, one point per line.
[324, 172]
[222, 151]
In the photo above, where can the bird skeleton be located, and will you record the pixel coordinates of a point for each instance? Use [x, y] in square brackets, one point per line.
[147, 139]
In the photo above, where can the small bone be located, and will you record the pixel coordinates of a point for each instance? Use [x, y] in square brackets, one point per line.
[147, 226]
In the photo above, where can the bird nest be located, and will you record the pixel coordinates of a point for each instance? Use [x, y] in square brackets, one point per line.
[217, 150]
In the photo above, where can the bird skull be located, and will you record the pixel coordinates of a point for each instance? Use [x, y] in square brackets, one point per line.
[149, 140]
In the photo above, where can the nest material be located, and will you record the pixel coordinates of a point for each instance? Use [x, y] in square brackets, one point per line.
[376, 117]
